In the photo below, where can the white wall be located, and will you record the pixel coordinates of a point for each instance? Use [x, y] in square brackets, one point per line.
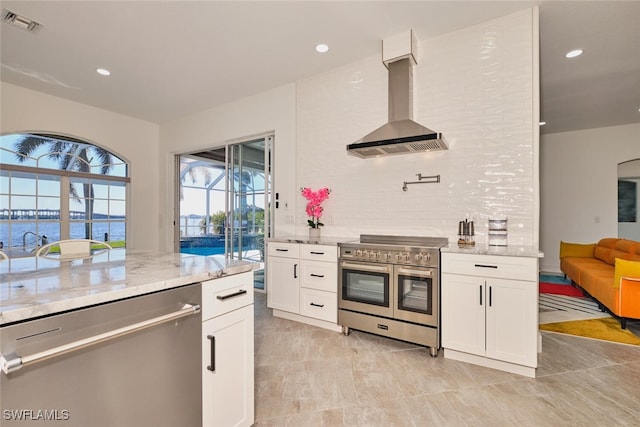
[478, 86]
[270, 111]
[134, 140]
[579, 186]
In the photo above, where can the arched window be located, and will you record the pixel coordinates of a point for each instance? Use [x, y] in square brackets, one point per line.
[56, 187]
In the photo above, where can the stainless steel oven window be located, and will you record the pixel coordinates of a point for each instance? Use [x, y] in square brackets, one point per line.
[365, 287]
[415, 293]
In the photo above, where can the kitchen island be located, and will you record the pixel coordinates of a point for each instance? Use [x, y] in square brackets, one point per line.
[110, 324]
[32, 287]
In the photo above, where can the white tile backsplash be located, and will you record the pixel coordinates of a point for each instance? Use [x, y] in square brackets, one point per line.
[476, 87]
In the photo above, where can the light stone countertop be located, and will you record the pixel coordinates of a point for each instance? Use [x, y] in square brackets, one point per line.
[32, 287]
[331, 241]
[483, 249]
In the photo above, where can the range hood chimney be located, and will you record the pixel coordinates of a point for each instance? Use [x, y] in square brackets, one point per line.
[401, 135]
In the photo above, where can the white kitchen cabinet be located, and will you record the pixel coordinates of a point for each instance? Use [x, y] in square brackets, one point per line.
[302, 283]
[283, 276]
[490, 311]
[228, 351]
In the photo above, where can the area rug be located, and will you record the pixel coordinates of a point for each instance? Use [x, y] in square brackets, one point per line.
[558, 285]
[562, 308]
[556, 289]
[607, 329]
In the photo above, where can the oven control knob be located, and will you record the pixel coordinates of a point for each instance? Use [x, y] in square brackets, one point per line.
[427, 256]
[418, 257]
[406, 257]
[377, 255]
[359, 252]
[398, 257]
[387, 256]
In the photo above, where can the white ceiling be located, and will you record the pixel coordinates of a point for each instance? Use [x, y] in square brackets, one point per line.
[173, 58]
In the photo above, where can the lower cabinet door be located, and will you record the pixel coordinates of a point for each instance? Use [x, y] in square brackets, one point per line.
[463, 313]
[283, 289]
[512, 321]
[227, 372]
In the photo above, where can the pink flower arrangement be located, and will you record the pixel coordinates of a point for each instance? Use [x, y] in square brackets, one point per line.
[314, 208]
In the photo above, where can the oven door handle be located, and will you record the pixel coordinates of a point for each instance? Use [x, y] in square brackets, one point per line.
[427, 273]
[12, 362]
[367, 267]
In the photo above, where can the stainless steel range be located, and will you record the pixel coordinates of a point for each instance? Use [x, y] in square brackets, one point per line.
[390, 285]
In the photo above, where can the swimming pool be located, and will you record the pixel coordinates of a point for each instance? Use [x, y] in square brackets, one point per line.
[203, 251]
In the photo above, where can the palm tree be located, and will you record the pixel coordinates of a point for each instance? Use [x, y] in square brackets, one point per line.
[71, 155]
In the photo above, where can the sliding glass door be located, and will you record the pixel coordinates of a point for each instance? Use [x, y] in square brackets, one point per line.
[248, 199]
[225, 196]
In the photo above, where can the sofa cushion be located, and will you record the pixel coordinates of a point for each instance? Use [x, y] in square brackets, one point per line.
[606, 294]
[625, 245]
[576, 250]
[608, 242]
[572, 266]
[627, 256]
[591, 278]
[625, 268]
[604, 250]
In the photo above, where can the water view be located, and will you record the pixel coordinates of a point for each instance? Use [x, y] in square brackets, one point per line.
[24, 233]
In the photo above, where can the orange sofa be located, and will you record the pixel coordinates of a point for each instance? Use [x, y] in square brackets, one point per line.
[609, 271]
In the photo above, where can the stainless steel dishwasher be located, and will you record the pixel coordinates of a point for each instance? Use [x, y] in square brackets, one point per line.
[134, 362]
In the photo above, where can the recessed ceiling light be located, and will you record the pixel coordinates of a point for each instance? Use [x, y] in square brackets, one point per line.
[573, 53]
[103, 71]
[322, 48]
[542, 123]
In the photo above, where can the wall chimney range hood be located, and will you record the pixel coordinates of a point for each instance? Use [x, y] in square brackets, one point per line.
[401, 135]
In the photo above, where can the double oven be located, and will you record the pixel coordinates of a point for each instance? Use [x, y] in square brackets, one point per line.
[390, 286]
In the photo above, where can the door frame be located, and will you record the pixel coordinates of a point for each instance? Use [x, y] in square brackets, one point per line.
[269, 144]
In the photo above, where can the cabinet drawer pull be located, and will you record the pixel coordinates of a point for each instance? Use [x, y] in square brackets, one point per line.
[480, 294]
[316, 253]
[235, 294]
[282, 250]
[212, 366]
[486, 266]
[295, 271]
[316, 305]
[490, 287]
[316, 275]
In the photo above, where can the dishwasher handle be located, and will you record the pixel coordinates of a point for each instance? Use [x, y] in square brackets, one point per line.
[12, 362]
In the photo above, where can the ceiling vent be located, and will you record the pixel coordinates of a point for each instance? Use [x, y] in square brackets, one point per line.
[20, 21]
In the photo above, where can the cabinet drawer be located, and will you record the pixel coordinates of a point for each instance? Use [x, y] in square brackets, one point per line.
[319, 275]
[286, 250]
[319, 252]
[504, 267]
[220, 296]
[319, 304]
